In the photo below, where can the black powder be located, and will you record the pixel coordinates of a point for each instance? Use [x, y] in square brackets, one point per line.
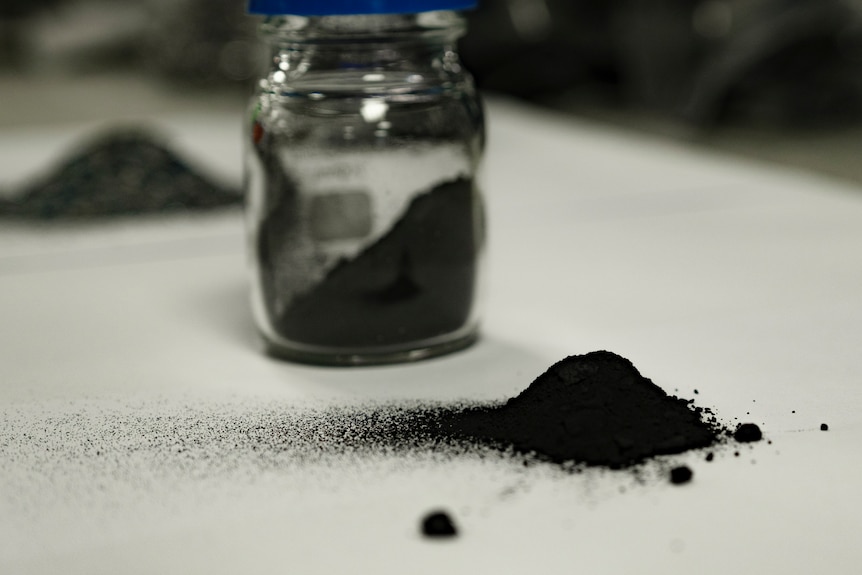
[123, 172]
[438, 524]
[824, 427]
[747, 433]
[594, 409]
[414, 283]
[680, 475]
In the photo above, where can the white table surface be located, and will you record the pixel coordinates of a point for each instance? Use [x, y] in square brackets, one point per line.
[742, 282]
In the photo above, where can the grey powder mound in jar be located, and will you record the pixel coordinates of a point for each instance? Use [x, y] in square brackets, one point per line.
[118, 173]
[414, 283]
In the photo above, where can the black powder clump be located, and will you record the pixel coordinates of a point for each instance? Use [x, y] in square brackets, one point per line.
[438, 524]
[122, 172]
[594, 409]
[681, 474]
[747, 433]
[824, 427]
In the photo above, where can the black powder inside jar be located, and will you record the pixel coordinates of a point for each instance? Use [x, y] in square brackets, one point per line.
[415, 282]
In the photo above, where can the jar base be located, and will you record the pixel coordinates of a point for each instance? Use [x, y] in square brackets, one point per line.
[359, 357]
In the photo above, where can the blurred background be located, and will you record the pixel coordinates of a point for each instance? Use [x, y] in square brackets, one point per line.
[777, 80]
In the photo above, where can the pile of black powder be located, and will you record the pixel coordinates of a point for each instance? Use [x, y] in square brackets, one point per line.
[594, 409]
[118, 173]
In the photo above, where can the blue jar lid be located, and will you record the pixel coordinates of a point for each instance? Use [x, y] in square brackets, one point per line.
[346, 7]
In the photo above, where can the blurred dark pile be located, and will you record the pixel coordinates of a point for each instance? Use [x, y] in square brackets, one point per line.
[706, 62]
[122, 172]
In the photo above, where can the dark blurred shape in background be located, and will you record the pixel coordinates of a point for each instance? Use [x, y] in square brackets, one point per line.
[795, 62]
[702, 63]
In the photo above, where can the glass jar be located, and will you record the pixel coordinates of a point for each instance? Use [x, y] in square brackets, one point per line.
[365, 218]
